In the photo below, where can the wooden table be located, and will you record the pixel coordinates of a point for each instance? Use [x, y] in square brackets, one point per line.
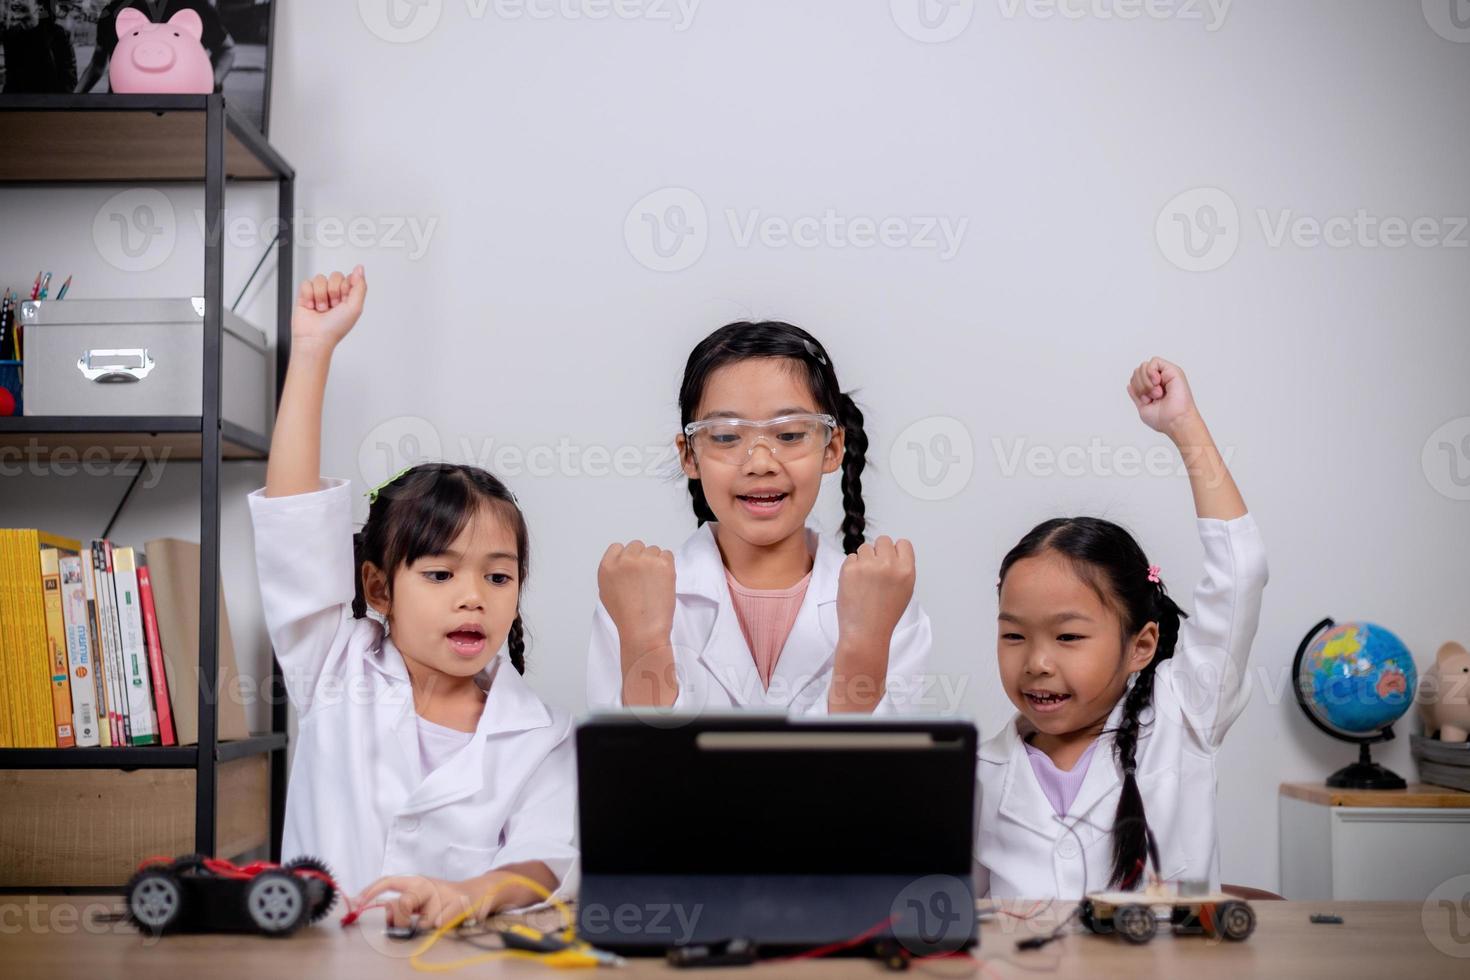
[57, 937]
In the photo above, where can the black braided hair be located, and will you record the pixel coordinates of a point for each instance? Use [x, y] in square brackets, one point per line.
[775, 339]
[421, 512]
[1109, 560]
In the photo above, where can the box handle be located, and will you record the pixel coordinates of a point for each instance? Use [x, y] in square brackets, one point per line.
[115, 373]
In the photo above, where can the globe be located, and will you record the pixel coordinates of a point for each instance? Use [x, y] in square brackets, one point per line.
[1354, 680]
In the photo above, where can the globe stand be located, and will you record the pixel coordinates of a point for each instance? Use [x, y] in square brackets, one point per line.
[1365, 774]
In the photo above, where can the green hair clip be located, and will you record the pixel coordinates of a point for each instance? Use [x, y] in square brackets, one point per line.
[372, 495]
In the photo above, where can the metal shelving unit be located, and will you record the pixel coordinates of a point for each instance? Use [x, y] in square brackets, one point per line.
[62, 139]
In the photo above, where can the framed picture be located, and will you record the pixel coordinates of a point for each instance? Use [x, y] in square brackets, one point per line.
[65, 45]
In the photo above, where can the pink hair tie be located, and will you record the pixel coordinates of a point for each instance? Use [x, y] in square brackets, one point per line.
[1153, 573]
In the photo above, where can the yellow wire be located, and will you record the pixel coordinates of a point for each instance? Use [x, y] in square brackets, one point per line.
[552, 959]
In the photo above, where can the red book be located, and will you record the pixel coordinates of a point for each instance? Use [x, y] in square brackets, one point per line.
[155, 657]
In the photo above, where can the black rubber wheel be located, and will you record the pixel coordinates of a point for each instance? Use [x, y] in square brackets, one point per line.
[1090, 919]
[1135, 923]
[276, 903]
[320, 895]
[155, 900]
[1235, 920]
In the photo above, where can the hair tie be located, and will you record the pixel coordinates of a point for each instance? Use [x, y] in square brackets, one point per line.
[372, 495]
[1153, 573]
[1130, 771]
[814, 351]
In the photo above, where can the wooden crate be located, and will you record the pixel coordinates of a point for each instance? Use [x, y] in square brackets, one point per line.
[92, 826]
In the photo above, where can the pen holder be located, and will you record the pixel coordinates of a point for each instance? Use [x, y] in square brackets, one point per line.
[10, 382]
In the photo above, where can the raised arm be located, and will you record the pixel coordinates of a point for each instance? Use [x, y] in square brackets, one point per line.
[1161, 393]
[326, 309]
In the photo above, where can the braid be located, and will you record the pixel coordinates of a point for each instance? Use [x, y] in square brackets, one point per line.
[854, 458]
[359, 599]
[702, 512]
[1133, 840]
[515, 643]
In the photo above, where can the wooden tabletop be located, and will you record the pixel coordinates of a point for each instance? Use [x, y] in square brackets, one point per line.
[1416, 795]
[60, 937]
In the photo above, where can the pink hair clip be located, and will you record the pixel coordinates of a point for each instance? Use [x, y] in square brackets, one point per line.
[1153, 573]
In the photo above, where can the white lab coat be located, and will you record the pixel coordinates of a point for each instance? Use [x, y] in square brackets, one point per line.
[357, 796]
[714, 665]
[1023, 849]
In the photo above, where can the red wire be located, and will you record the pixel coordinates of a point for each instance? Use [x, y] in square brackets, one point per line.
[838, 946]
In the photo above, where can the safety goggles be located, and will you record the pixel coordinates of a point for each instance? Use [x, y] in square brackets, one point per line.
[788, 437]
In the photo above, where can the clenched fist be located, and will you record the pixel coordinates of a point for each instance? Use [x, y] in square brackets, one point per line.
[874, 588]
[636, 584]
[1160, 392]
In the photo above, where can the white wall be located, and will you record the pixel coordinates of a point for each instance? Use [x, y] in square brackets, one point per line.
[523, 144]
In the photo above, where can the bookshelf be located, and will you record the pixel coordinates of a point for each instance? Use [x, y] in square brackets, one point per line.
[59, 139]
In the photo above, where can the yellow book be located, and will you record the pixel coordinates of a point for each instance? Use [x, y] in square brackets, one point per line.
[17, 694]
[56, 647]
[11, 721]
[37, 650]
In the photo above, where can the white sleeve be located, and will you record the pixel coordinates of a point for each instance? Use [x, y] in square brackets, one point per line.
[304, 557]
[1207, 674]
[542, 825]
[903, 685]
[605, 670]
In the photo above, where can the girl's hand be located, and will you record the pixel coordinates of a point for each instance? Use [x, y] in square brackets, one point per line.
[1161, 394]
[434, 900]
[327, 307]
[636, 584]
[873, 590]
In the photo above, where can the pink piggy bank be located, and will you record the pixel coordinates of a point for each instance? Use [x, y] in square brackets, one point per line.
[160, 58]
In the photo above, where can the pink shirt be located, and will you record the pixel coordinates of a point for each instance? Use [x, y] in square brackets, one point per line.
[1060, 786]
[766, 617]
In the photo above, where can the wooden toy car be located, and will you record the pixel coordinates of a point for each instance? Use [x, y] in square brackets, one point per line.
[1131, 915]
[199, 894]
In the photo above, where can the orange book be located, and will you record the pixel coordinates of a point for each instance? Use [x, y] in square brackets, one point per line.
[37, 655]
[56, 647]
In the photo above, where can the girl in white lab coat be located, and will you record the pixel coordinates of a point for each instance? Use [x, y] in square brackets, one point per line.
[424, 764]
[756, 609]
[1107, 774]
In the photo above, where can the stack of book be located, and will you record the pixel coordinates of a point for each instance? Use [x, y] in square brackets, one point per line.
[1442, 763]
[99, 645]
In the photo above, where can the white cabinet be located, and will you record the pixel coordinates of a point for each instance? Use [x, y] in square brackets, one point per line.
[1371, 845]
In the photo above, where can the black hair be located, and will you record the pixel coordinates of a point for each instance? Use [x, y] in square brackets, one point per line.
[1109, 560]
[421, 512]
[774, 339]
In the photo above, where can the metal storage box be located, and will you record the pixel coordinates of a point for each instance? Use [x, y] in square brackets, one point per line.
[140, 357]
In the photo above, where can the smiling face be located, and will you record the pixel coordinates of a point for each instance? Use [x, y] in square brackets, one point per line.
[451, 612]
[1064, 659]
[764, 498]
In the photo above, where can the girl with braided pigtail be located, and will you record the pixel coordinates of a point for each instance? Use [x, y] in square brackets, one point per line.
[425, 767]
[1106, 776]
[757, 609]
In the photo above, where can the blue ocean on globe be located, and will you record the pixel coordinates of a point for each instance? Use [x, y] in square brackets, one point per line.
[1358, 678]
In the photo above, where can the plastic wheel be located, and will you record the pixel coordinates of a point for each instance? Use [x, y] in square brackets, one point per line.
[276, 902]
[1092, 921]
[1135, 923]
[320, 894]
[1235, 920]
[155, 900]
